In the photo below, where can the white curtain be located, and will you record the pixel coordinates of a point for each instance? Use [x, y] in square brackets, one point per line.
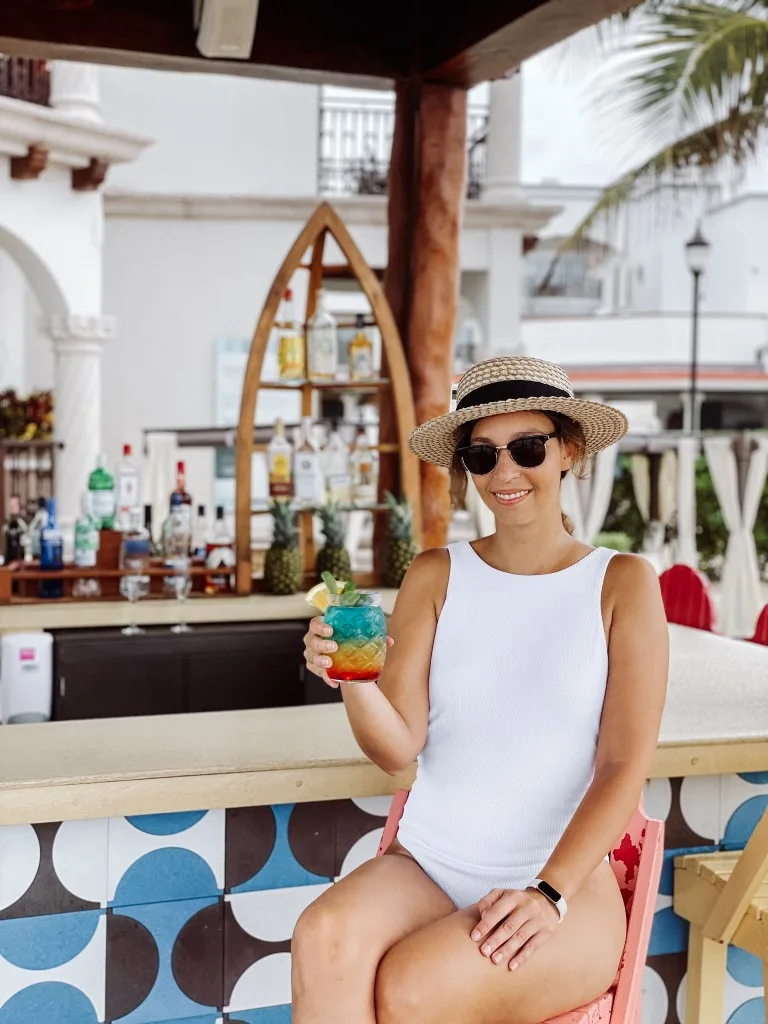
[641, 484]
[586, 501]
[654, 548]
[740, 597]
[668, 486]
[685, 547]
[160, 475]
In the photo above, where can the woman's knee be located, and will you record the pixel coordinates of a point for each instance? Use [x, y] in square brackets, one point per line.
[400, 992]
[325, 935]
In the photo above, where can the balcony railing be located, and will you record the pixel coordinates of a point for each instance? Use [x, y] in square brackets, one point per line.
[22, 78]
[356, 142]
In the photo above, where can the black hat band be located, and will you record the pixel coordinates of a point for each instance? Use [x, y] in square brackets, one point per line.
[510, 390]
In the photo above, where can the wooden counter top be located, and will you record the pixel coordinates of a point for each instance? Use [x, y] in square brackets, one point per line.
[715, 722]
[158, 612]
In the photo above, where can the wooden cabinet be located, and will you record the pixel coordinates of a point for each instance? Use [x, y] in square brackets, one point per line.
[103, 674]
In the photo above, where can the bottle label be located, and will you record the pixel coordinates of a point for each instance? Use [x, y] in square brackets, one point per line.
[280, 475]
[103, 504]
[127, 490]
[86, 545]
[361, 362]
[291, 357]
[340, 487]
[306, 473]
[322, 351]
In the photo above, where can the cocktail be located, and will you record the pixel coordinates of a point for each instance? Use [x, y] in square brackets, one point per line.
[360, 633]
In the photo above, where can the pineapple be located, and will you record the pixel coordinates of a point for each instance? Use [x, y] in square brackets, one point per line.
[401, 547]
[333, 556]
[283, 571]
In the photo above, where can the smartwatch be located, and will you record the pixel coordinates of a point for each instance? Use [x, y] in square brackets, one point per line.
[551, 894]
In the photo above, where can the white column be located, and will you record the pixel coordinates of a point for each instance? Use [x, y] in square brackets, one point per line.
[505, 141]
[77, 345]
[503, 291]
[685, 398]
[75, 90]
[13, 288]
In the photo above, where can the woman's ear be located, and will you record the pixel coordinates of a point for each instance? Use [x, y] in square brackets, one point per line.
[567, 456]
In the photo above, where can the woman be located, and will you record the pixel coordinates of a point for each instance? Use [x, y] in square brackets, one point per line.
[528, 676]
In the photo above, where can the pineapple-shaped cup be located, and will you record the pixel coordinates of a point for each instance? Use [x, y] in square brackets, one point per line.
[283, 572]
[333, 557]
[401, 547]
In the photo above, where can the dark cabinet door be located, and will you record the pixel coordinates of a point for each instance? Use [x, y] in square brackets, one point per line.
[103, 674]
[258, 665]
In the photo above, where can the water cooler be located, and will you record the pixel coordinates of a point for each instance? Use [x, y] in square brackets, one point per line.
[26, 677]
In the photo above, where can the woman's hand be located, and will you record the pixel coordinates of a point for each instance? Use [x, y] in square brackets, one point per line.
[319, 645]
[513, 924]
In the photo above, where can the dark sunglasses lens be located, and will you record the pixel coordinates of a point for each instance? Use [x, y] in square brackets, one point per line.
[479, 459]
[529, 452]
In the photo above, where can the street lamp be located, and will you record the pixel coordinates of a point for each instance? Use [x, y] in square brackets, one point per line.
[697, 255]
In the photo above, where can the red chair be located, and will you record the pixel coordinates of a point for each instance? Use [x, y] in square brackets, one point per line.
[685, 593]
[637, 863]
[761, 629]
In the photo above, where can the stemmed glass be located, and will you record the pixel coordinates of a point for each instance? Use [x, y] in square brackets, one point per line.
[133, 586]
[182, 585]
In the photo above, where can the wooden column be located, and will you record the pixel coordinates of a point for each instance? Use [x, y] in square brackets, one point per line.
[427, 182]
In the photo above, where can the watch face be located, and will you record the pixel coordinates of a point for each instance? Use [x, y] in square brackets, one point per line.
[550, 892]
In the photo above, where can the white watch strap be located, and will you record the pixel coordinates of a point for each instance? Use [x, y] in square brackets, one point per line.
[561, 906]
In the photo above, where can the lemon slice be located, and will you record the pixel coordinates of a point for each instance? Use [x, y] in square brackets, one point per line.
[318, 595]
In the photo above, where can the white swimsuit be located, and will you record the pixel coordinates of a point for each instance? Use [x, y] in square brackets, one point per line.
[516, 690]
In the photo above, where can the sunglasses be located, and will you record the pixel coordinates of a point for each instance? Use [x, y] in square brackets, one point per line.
[527, 452]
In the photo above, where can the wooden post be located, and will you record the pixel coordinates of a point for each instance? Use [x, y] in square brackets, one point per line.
[426, 197]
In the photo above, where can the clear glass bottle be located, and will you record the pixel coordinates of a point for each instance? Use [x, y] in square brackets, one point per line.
[14, 532]
[279, 459]
[127, 484]
[181, 492]
[177, 540]
[153, 549]
[365, 476]
[135, 560]
[291, 355]
[101, 484]
[360, 352]
[322, 345]
[220, 556]
[307, 476]
[87, 539]
[39, 522]
[199, 533]
[51, 554]
[337, 469]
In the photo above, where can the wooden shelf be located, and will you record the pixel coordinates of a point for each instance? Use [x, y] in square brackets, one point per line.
[361, 386]
[263, 508]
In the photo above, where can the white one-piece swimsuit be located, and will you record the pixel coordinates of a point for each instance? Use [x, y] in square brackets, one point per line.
[516, 689]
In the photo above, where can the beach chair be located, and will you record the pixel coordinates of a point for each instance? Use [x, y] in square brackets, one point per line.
[761, 629]
[687, 602]
[636, 862]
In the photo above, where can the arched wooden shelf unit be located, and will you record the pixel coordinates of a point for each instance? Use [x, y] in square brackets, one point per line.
[394, 388]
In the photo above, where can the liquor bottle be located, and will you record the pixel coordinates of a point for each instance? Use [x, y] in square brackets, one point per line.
[199, 533]
[365, 477]
[87, 540]
[153, 548]
[291, 357]
[336, 465]
[360, 352]
[101, 484]
[127, 479]
[308, 482]
[177, 539]
[185, 498]
[51, 554]
[279, 452]
[322, 347]
[220, 556]
[14, 532]
[39, 522]
[135, 553]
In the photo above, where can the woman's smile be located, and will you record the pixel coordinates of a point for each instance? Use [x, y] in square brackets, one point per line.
[508, 498]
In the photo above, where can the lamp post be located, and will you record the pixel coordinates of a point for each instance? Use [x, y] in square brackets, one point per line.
[697, 256]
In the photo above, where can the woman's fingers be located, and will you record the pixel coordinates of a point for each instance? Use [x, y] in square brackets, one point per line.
[514, 949]
[390, 641]
[317, 647]
[492, 915]
[505, 934]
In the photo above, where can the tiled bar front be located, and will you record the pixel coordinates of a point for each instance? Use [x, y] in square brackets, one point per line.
[186, 917]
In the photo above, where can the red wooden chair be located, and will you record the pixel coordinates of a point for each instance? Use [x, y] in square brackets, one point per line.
[761, 629]
[685, 593]
[636, 862]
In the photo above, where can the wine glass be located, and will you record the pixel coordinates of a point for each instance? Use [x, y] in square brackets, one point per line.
[182, 585]
[133, 586]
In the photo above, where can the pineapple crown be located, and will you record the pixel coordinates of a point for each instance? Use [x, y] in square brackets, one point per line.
[400, 518]
[330, 520]
[284, 525]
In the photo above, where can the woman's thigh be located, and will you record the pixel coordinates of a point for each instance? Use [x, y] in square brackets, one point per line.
[438, 973]
[364, 914]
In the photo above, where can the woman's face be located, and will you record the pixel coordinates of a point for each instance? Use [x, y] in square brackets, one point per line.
[514, 494]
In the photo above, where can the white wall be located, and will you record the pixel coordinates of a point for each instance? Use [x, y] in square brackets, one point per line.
[215, 134]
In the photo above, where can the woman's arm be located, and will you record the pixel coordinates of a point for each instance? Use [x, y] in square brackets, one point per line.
[638, 663]
[389, 719]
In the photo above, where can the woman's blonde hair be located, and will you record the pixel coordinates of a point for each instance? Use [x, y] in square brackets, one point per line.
[569, 433]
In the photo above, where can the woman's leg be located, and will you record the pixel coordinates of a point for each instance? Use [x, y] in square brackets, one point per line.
[341, 937]
[438, 973]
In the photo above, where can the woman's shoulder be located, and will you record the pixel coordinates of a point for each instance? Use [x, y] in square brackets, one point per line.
[630, 579]
[432, 562]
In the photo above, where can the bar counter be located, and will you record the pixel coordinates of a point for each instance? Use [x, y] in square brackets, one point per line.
[154, 867]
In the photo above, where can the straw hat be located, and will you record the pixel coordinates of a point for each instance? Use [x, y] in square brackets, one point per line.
[512, 384]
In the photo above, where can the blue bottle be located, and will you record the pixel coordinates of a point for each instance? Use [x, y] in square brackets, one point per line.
[51, 554]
